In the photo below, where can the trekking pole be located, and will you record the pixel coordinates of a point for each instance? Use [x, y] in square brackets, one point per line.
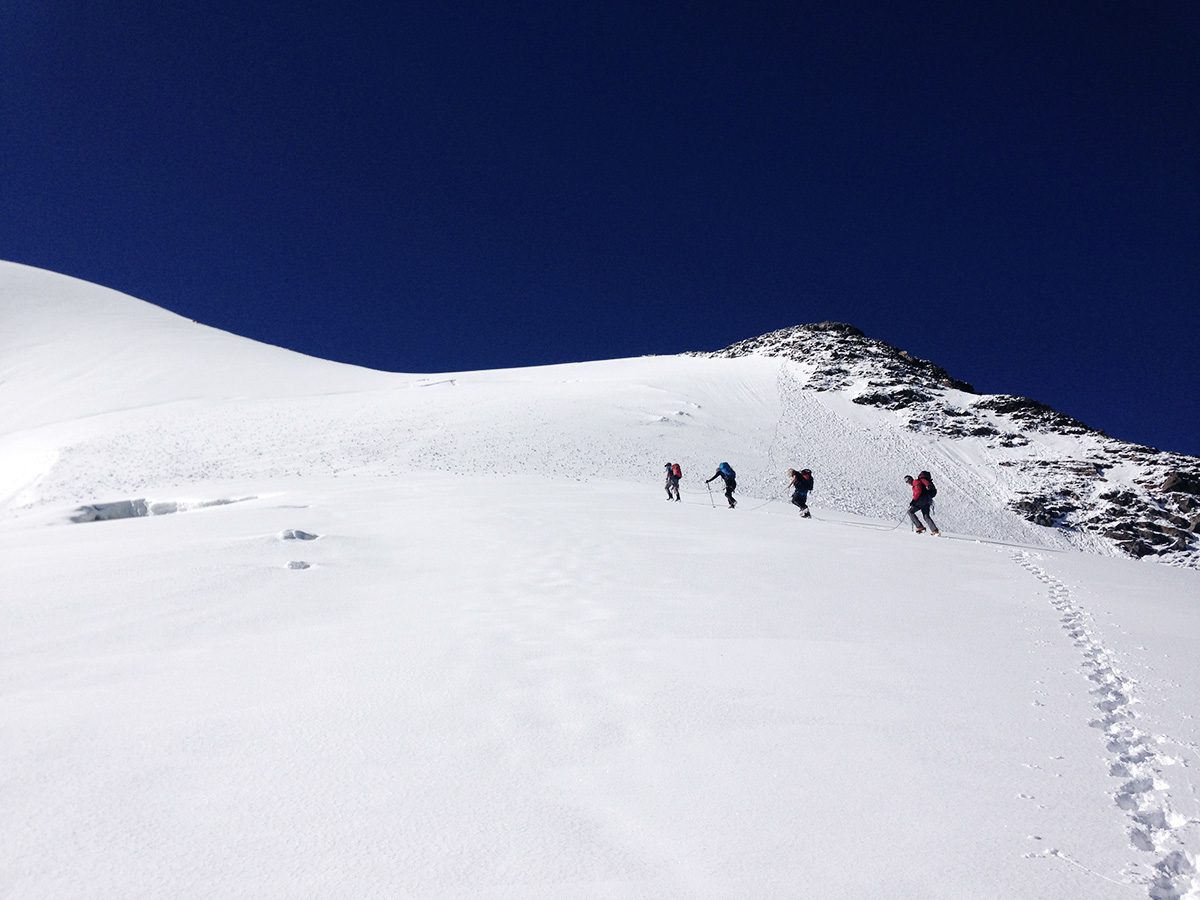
[710, 499]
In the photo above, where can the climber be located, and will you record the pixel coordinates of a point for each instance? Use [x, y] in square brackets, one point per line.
[725, 473]
[923, 492]
[801, 484]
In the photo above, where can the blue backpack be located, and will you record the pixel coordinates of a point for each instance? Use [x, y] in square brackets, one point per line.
[727, 470]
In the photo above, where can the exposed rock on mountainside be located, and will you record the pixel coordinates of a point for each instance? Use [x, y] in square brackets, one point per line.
[1064, 474]
[1033, 415]
[843, 354]
[1181, 483]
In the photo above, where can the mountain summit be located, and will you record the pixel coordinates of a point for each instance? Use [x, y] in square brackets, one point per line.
[843, 353]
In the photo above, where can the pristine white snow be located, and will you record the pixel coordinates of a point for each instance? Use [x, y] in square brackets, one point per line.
[357, 634]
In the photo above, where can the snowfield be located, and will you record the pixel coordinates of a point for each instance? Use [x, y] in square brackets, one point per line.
[278, 627]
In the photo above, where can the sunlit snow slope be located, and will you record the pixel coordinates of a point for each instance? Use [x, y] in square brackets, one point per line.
[350, 633]
[101, 371]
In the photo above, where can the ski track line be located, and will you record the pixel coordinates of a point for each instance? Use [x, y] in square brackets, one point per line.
[1137, 758]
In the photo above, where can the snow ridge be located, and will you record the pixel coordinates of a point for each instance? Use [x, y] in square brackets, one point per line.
[842, 355]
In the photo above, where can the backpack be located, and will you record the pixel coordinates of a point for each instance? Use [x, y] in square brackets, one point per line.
[727, 470]
[930, 489]
[805, 481]
[676, 472]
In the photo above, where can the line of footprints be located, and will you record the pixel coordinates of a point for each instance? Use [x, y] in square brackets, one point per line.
[1137, 758]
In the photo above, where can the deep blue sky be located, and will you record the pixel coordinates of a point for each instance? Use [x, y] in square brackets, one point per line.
[1013, 192]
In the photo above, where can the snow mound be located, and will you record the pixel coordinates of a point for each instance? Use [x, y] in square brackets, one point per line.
[133, 509]
[71, 349]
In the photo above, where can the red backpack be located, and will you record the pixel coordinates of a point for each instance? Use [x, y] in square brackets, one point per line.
[676, 472]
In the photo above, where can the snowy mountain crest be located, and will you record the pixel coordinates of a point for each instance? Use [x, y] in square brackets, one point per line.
[1064, 474]
[842, 354]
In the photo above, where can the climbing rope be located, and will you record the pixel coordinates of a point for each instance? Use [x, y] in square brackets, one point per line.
[761, 505]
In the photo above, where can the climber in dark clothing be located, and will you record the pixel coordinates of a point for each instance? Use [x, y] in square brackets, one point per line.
[923, 493]
[674, 473]
[725, 472]
[801, 483]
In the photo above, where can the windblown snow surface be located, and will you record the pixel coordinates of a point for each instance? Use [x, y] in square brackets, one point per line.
[277, 627]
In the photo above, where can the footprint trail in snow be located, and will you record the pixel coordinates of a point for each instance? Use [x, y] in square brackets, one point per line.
[1135, 757]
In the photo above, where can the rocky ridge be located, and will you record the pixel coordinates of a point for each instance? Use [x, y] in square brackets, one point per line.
[1140, 501]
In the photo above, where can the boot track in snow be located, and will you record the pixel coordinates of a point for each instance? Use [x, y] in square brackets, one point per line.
[1135, 757]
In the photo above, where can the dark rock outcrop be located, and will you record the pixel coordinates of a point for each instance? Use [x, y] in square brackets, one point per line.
[1181, 483]
[1051, 510]
[896, 398]
[1033, 415]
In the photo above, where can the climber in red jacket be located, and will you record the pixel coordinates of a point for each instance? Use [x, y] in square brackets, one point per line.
[923, 492]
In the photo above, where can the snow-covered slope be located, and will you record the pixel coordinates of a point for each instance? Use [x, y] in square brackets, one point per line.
[70, 349]
[856, 411]
[425, 636]
[1051, 469]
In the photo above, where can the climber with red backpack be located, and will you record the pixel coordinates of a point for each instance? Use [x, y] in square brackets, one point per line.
[674, 473]
[801, 484]
[923, 492]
